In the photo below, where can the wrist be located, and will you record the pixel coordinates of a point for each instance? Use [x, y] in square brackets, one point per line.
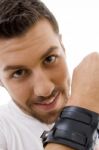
[87, 103]
[76, 128]
[54, 146]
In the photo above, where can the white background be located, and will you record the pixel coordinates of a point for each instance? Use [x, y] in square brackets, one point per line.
[79, 26]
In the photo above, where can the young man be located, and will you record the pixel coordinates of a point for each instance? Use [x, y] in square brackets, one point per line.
[33, 70]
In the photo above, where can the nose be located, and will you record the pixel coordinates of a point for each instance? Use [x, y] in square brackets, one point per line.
[42, 85]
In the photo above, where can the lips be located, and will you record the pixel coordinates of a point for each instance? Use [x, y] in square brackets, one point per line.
[49, 103]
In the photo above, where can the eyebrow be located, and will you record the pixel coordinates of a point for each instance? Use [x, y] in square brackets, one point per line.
[50, 50]
[7, 68]
[15, 67]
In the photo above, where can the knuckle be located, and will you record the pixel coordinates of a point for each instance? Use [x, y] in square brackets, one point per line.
[95, 55]
[92, 57]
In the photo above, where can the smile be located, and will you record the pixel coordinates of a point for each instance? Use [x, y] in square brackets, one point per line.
[49, 104]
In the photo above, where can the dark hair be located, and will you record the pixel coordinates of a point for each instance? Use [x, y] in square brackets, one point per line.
[17, 16]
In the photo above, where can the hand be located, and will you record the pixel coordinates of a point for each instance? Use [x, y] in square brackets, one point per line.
[84, 90]
[85, 84]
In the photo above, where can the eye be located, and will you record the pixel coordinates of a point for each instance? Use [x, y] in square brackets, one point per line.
[50, 59]
[19, 73]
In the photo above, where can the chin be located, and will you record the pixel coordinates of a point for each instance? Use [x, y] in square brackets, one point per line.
[50, 118]
[47, 117]
[48, 121]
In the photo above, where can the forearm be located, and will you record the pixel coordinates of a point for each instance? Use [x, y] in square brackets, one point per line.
[53, 146]
[75, 126]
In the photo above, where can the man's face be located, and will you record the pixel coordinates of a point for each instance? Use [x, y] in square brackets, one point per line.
[33, 70]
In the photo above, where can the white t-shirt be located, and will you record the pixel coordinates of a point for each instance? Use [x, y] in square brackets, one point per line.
[19, 131]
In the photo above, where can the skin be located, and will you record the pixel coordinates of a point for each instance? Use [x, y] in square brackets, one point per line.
[33, 70]
[85, 84]
[84, 90]
[54, 146]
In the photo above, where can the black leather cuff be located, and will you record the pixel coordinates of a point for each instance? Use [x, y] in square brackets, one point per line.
[76, 128]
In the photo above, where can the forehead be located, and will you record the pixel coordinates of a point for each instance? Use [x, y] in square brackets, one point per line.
[42, 31]
[32, 44]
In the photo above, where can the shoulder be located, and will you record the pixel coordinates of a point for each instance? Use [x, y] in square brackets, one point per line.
[4, 110]
[3, 113]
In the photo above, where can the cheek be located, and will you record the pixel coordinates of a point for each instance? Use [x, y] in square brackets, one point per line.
[18, 91]
[60, 74]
